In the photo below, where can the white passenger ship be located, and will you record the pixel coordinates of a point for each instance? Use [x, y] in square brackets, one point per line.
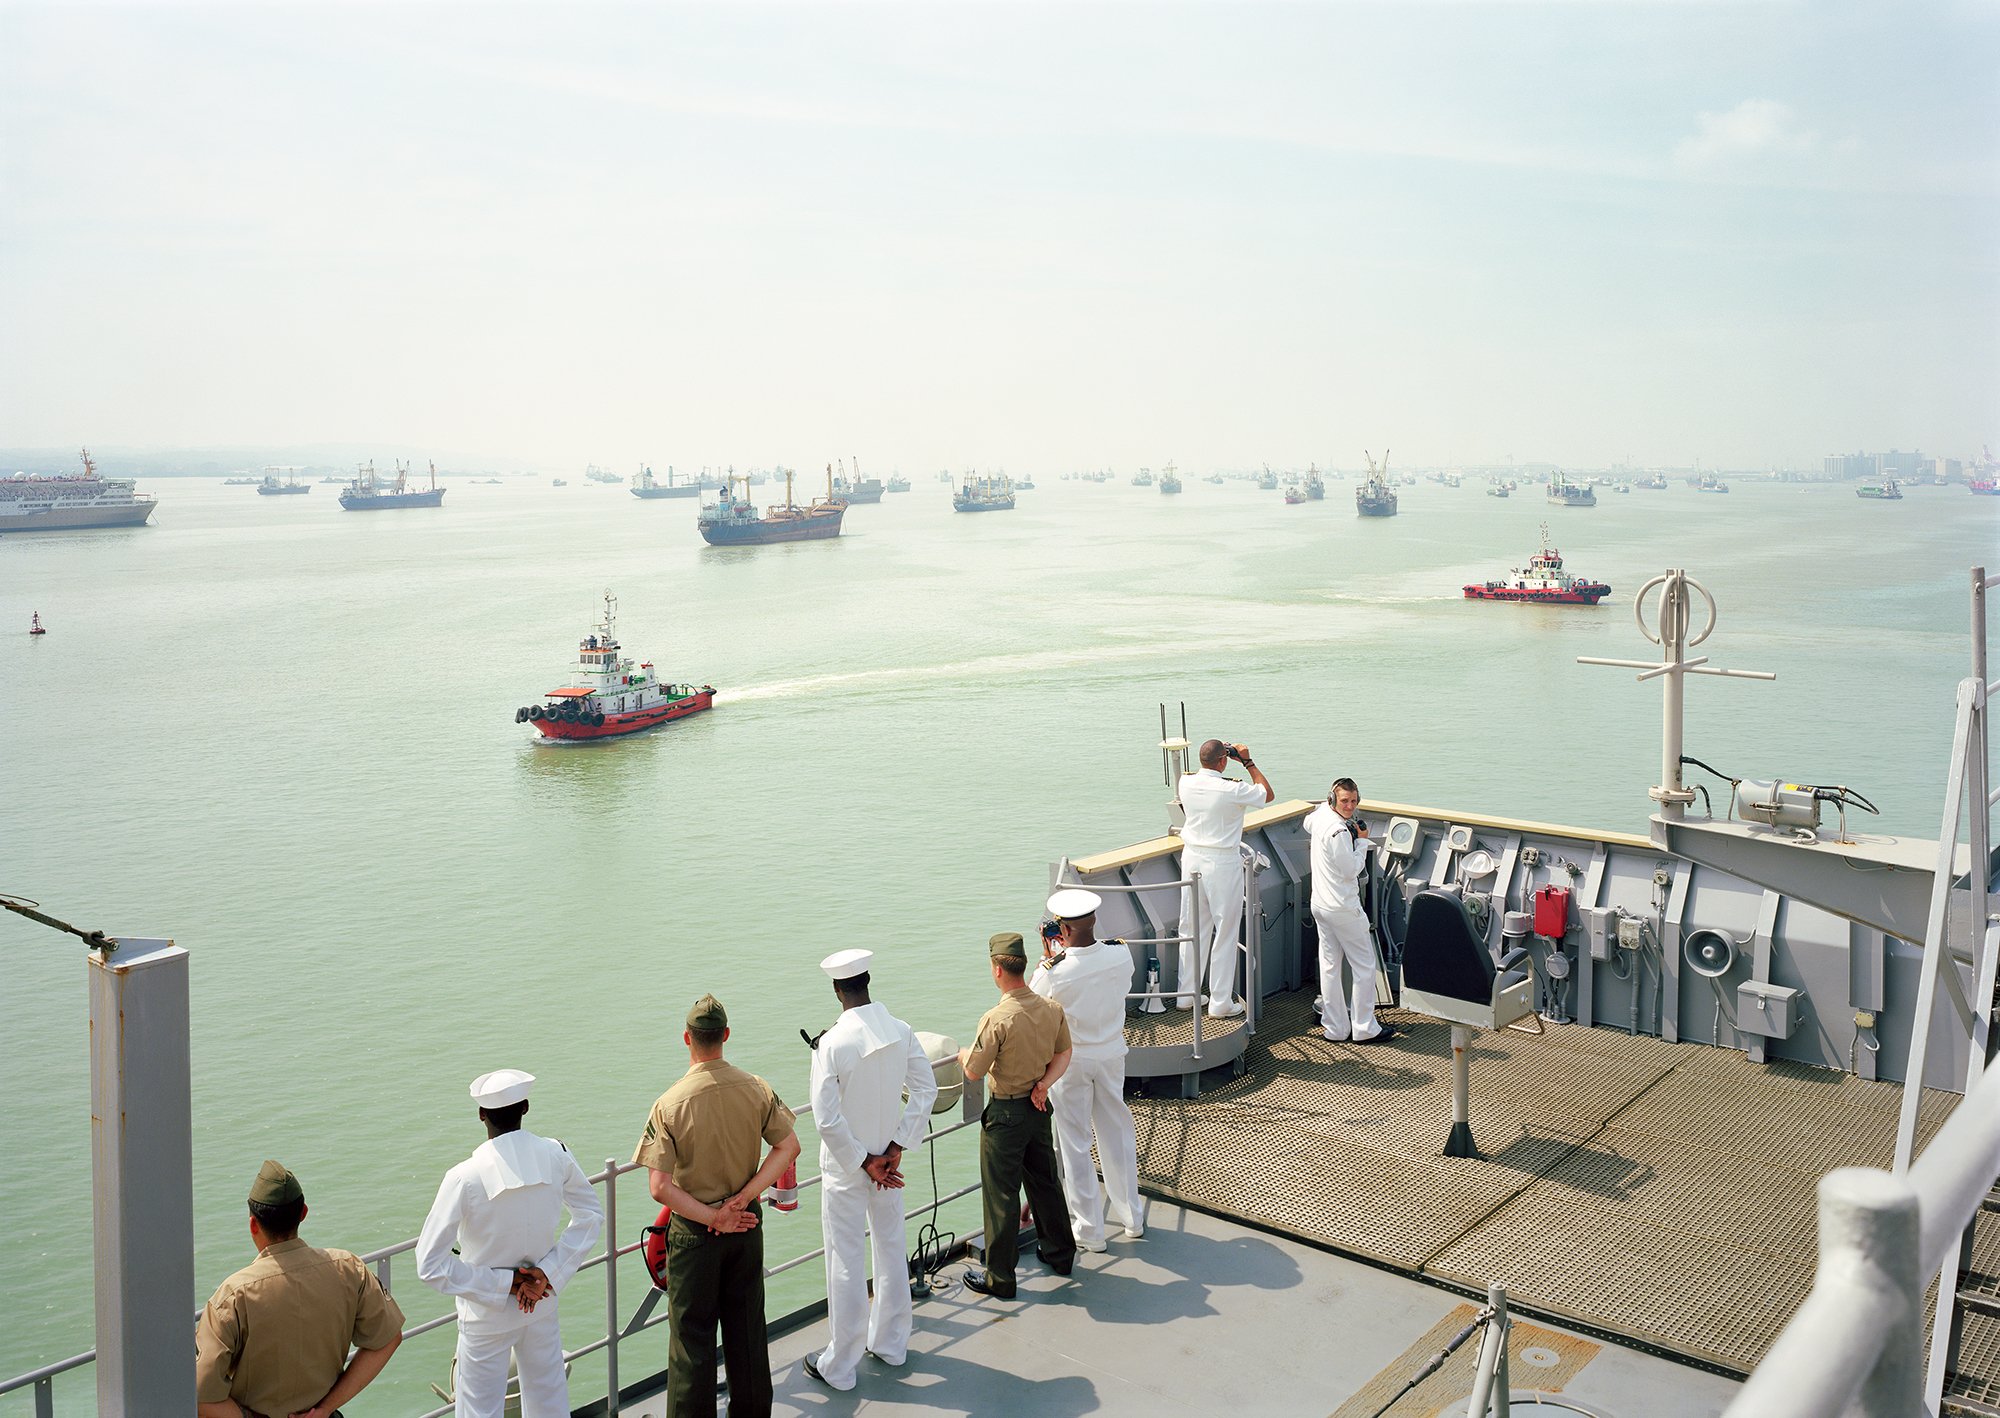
[48, 504]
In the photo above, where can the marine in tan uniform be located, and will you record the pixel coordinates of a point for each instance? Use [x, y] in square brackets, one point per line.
[1022, 1048]
[273, 1340]
[702, 1143]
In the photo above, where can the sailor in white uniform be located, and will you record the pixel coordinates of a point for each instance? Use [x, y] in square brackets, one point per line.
[1090, 979]
[1212, 844]
[500, 1208]
[1340, 849]
[872, 1089]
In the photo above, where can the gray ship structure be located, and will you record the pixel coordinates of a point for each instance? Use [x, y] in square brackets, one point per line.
[1675, 1123]
[52, 504]
[1376, 496]
[369, 493]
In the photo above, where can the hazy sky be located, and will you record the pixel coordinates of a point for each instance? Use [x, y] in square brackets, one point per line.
[1032, 236]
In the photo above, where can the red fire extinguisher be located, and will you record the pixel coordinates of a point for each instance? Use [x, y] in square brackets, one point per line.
[785, 1195]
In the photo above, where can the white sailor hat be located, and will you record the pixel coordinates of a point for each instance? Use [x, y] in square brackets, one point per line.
[846, 964]
[502, 1088]
[1072, 902]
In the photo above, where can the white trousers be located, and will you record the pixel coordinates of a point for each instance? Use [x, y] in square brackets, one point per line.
[536, 1346]
[1091, 1096]
[1222, 881]
[1343, 935]
[847, 1205]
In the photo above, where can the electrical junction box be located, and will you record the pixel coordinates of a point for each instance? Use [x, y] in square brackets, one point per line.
[1628, 933]
[1598, 926]
[1770, 1010]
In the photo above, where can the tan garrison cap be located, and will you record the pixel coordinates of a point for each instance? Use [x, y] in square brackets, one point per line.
[1007, 945]
[276, 1186]
[708, 1013]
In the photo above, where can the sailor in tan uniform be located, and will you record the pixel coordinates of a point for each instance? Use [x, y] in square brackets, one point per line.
[701, 1144]
[490, 1242]
[273, 1340]
[1022, 1046]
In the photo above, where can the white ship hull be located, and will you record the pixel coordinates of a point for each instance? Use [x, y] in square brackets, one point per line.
[59, 519]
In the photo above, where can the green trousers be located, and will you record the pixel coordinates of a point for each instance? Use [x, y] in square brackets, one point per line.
[1017, 1149]
[716, 1281]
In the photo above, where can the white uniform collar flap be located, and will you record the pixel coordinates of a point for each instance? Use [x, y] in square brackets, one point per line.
[519, 1159]
[875, 1027]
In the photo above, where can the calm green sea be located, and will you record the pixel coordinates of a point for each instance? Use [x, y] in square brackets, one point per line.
[283, 735]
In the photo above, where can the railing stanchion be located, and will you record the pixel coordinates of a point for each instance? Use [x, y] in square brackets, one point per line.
[45, 1398]
[611, 1286]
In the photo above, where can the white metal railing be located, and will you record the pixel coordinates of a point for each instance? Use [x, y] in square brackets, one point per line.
[1248, 949]
[42, 1380]
[1966, 793]
[1855, 1347]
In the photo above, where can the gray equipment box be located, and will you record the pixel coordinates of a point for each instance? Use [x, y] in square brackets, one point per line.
[1770, 1010]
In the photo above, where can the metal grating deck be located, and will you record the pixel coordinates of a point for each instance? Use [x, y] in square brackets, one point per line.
[1663, 1193]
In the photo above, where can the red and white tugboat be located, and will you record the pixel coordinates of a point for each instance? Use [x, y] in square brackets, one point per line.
[608, 695]
[1542, 580]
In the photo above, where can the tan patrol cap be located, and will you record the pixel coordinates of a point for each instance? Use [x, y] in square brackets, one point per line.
[708, 1013]
[276, 1186]
[1007, 945]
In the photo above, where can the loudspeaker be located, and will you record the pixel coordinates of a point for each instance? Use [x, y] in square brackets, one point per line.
[1710, 953]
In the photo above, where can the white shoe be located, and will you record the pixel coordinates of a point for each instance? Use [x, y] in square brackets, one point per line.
[1091, 1247]
[1135, 1233]
[1227, 1009]
[1331, 1037]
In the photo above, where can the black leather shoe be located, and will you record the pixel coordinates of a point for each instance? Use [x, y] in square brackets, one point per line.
[1064, 1269]
[811, 1365]
[1389, 1031]
[978, 1283]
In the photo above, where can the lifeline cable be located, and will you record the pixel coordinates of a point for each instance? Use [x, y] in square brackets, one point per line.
[1436, 1362]
[24, 906]
[933, 1250]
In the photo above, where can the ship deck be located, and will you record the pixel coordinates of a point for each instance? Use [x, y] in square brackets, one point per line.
[1207, 1316]
[1661, 1195]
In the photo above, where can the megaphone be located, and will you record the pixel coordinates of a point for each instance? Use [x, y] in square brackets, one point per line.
[942, 1051]
[1710, 953]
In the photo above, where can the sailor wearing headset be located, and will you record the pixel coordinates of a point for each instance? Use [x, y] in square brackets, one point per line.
[1340, 849]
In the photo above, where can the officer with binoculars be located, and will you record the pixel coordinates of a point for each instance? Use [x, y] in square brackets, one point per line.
[1212, 844]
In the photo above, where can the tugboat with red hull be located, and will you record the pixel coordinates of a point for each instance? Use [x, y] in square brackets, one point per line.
[1542, 581]
[608, 695]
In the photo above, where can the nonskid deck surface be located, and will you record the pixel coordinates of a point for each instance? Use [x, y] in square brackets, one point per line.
[1664, 1193]
[1204, 1316]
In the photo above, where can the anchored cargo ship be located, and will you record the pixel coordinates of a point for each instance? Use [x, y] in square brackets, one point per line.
[368, 493]
[290, 487]
[1315, 485]
[40, 504]
[857, 488]
[732, 520]
[1542, 580]
[608, 695]
[1375, 497]
[1170, 480]
[1564, 493]
[984, 494]
[645, 486]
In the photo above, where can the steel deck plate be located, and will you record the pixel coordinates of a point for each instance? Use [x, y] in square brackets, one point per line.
[1663, 1193]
